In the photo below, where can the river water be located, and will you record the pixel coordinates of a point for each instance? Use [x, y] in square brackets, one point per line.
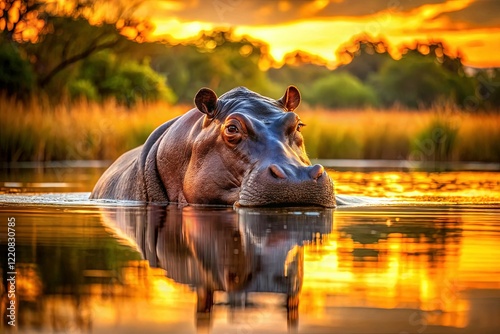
[420, 254]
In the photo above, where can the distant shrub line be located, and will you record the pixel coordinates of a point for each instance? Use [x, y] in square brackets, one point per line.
[129, 72]
[38, 131]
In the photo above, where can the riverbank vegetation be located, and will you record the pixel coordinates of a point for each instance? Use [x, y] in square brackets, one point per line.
[104, 130]
[75, 85]
[73, 51]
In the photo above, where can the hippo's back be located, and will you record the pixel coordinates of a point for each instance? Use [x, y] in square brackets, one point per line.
[116, 181]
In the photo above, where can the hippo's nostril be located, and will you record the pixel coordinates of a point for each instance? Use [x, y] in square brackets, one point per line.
[277, 172]
[316, 171]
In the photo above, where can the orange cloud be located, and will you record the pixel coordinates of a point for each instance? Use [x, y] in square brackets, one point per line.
[319, 27]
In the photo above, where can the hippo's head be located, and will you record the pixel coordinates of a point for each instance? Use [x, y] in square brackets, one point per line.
[249, 151]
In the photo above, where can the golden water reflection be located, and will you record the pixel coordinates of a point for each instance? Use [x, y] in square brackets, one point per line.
[451, 187]
[392, 260]
[385, 269]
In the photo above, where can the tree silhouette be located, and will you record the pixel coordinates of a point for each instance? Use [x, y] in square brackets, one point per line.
[363, 56]
[54, 36]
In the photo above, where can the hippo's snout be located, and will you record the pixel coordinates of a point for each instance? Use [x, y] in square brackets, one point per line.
[288, 185]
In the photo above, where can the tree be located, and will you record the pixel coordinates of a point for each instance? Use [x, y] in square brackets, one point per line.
[424, 75]
[216, 59]
[71, 41]
[106, 75]
[363, 56]
[340, 91]
[17, 76]
[22, 20]
[487, 90]
[300, 68]
[56, 35]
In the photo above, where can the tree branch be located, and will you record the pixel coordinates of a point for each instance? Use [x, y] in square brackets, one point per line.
[71, 60]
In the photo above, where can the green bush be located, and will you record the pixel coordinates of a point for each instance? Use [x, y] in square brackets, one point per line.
[133, 81]
[83, 88]
[340, 91]
[17, 76]
[419, 81]
[127, 81]
[436, 142]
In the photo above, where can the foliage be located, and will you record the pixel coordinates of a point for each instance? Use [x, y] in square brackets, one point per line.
[437, 140]
[363, 57]
[487, 91]
[425, 74]
[104, 75]
[217, 60]
[64, 42]
[72, 41]
[340, 91]
[302, 76]
[83, 88]
[491, 89]
[415, 81]
[57, 35]
[299, 68]
[17, 75]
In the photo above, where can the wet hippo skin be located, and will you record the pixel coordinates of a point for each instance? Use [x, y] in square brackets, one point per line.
[241, 148]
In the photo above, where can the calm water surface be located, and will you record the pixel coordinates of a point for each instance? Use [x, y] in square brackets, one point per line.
[429, 264]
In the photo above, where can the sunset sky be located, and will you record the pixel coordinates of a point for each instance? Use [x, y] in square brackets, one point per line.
[320, 26]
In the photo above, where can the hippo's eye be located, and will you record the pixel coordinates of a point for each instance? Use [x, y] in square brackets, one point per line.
[300, 125]
[232, 133]
[232, 129]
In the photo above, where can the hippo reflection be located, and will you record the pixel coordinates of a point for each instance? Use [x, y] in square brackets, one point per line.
[219, 249]
[241, 148]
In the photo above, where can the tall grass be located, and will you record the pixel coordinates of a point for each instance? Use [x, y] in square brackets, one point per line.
[351, 134]
[36, 131]
[442, 133]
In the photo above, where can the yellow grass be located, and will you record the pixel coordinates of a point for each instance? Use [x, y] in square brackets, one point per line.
[400, 134]
[82, 130]
[37, 131]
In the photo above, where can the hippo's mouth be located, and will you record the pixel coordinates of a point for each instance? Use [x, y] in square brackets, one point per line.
[318, 193]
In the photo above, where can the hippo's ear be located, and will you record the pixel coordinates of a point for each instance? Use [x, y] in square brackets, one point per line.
[206, 101]
[291, 99]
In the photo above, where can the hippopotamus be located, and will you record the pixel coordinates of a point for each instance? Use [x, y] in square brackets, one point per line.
[240, 149]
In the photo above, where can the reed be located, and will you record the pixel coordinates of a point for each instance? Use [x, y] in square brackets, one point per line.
[35, 130]
[442, 133]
